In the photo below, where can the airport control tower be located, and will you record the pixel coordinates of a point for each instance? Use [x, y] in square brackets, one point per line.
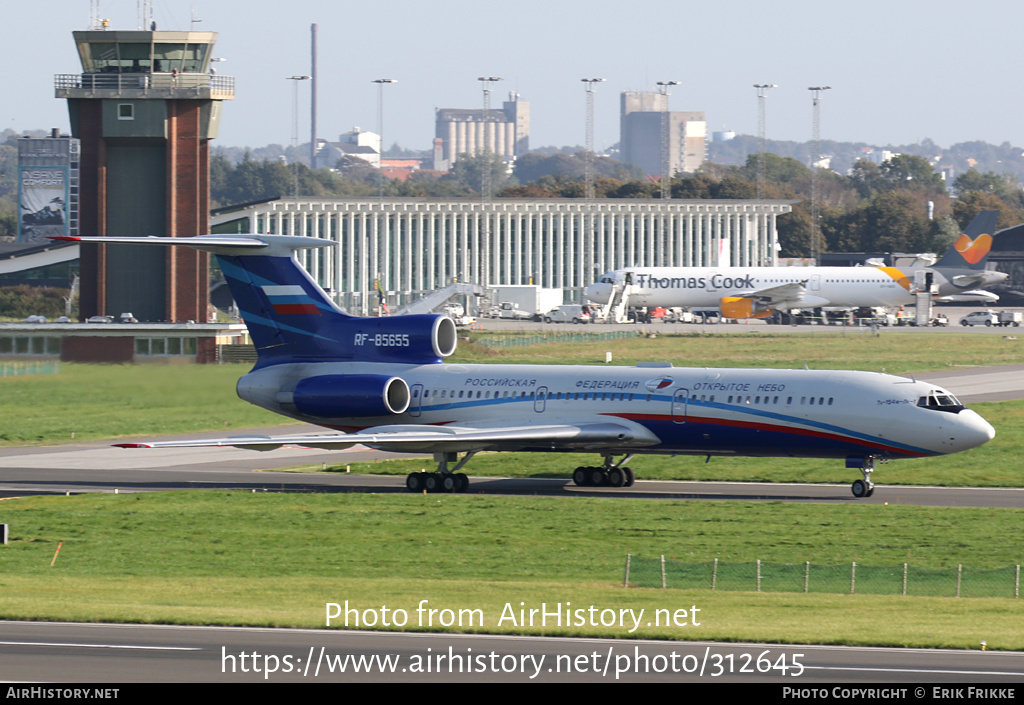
[145, 108]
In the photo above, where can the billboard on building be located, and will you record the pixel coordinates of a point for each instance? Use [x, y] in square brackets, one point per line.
[42, 203]
[47, 187]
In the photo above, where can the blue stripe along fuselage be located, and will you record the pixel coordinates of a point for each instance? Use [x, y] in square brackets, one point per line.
[714, 427]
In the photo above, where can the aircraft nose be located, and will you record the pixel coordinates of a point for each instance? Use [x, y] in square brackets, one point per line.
[596, 293]
[972, 431]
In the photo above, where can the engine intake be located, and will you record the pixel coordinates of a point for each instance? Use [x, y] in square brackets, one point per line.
[743, 307]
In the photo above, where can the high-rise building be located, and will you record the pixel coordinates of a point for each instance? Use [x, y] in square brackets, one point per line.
[504, 132]
[641, 129]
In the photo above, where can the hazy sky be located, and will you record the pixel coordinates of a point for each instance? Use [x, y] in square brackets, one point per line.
[900, 71]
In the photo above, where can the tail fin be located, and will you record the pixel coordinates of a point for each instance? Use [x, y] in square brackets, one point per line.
[970, 251]
[290, 318]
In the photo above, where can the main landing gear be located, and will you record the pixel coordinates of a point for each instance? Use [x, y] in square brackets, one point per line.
[863, 488]
[444, 480]
[611, 474]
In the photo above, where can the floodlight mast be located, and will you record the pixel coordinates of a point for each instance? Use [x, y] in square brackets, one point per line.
[484, 278]
[816, 92]
[295, 130]
[589, 154]
[666, 186]
[762, 138]
[381, 82]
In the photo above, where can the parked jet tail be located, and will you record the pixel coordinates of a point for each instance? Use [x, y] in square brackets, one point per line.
[970, 251]
[291, 319]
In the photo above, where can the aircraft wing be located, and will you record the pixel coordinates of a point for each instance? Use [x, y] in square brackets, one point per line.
[784, 296]
[444, 439]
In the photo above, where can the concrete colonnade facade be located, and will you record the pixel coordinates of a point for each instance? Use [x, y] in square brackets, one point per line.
[414, 245]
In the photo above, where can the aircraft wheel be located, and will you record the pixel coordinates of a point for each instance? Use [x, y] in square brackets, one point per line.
[616, 478]
[461, 482]
[871, 491]
[448, 483]
[579, 477]
[596, 477]
[414, 482]
[860, 489]
[630, 477]
[432, 483]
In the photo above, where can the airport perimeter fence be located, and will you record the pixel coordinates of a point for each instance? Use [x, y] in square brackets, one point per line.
[761, 576]
[512, 341]
[18, 369]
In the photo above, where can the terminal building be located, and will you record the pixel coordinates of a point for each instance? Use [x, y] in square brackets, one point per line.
[408, 247]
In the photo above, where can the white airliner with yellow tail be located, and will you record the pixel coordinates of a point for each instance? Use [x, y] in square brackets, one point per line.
[758, 292]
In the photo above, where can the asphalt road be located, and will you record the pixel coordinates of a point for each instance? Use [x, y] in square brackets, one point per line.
[106, 653]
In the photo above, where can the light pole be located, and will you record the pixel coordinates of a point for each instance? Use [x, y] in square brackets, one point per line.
[381, 82]
[295, 128]
[589, 154]
[762, 138]
[666, 190]
[382, 219]
[588, 179]
[816, 92]
[485, 180]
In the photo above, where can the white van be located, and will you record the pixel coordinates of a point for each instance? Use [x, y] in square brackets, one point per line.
[569, 313]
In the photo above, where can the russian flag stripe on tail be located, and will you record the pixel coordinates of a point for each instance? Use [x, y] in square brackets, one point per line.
[290, 300]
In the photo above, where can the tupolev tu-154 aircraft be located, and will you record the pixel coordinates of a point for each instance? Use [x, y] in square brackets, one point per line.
[758, 292]
[383, 383]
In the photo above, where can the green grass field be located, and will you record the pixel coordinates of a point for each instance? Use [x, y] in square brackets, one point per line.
[275, 560]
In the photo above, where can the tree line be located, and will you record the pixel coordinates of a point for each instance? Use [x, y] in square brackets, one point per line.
[900, 205]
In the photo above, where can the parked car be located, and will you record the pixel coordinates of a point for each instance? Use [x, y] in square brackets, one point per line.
[35, 319]
[100, 319]
[568, 313]
[980, 318]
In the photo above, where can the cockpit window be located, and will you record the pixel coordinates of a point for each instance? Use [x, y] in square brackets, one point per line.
[940, 401]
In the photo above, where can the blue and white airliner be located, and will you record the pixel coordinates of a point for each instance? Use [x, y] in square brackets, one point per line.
[383, 383]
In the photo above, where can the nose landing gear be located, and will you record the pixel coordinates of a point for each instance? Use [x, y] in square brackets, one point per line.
[863, 488]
